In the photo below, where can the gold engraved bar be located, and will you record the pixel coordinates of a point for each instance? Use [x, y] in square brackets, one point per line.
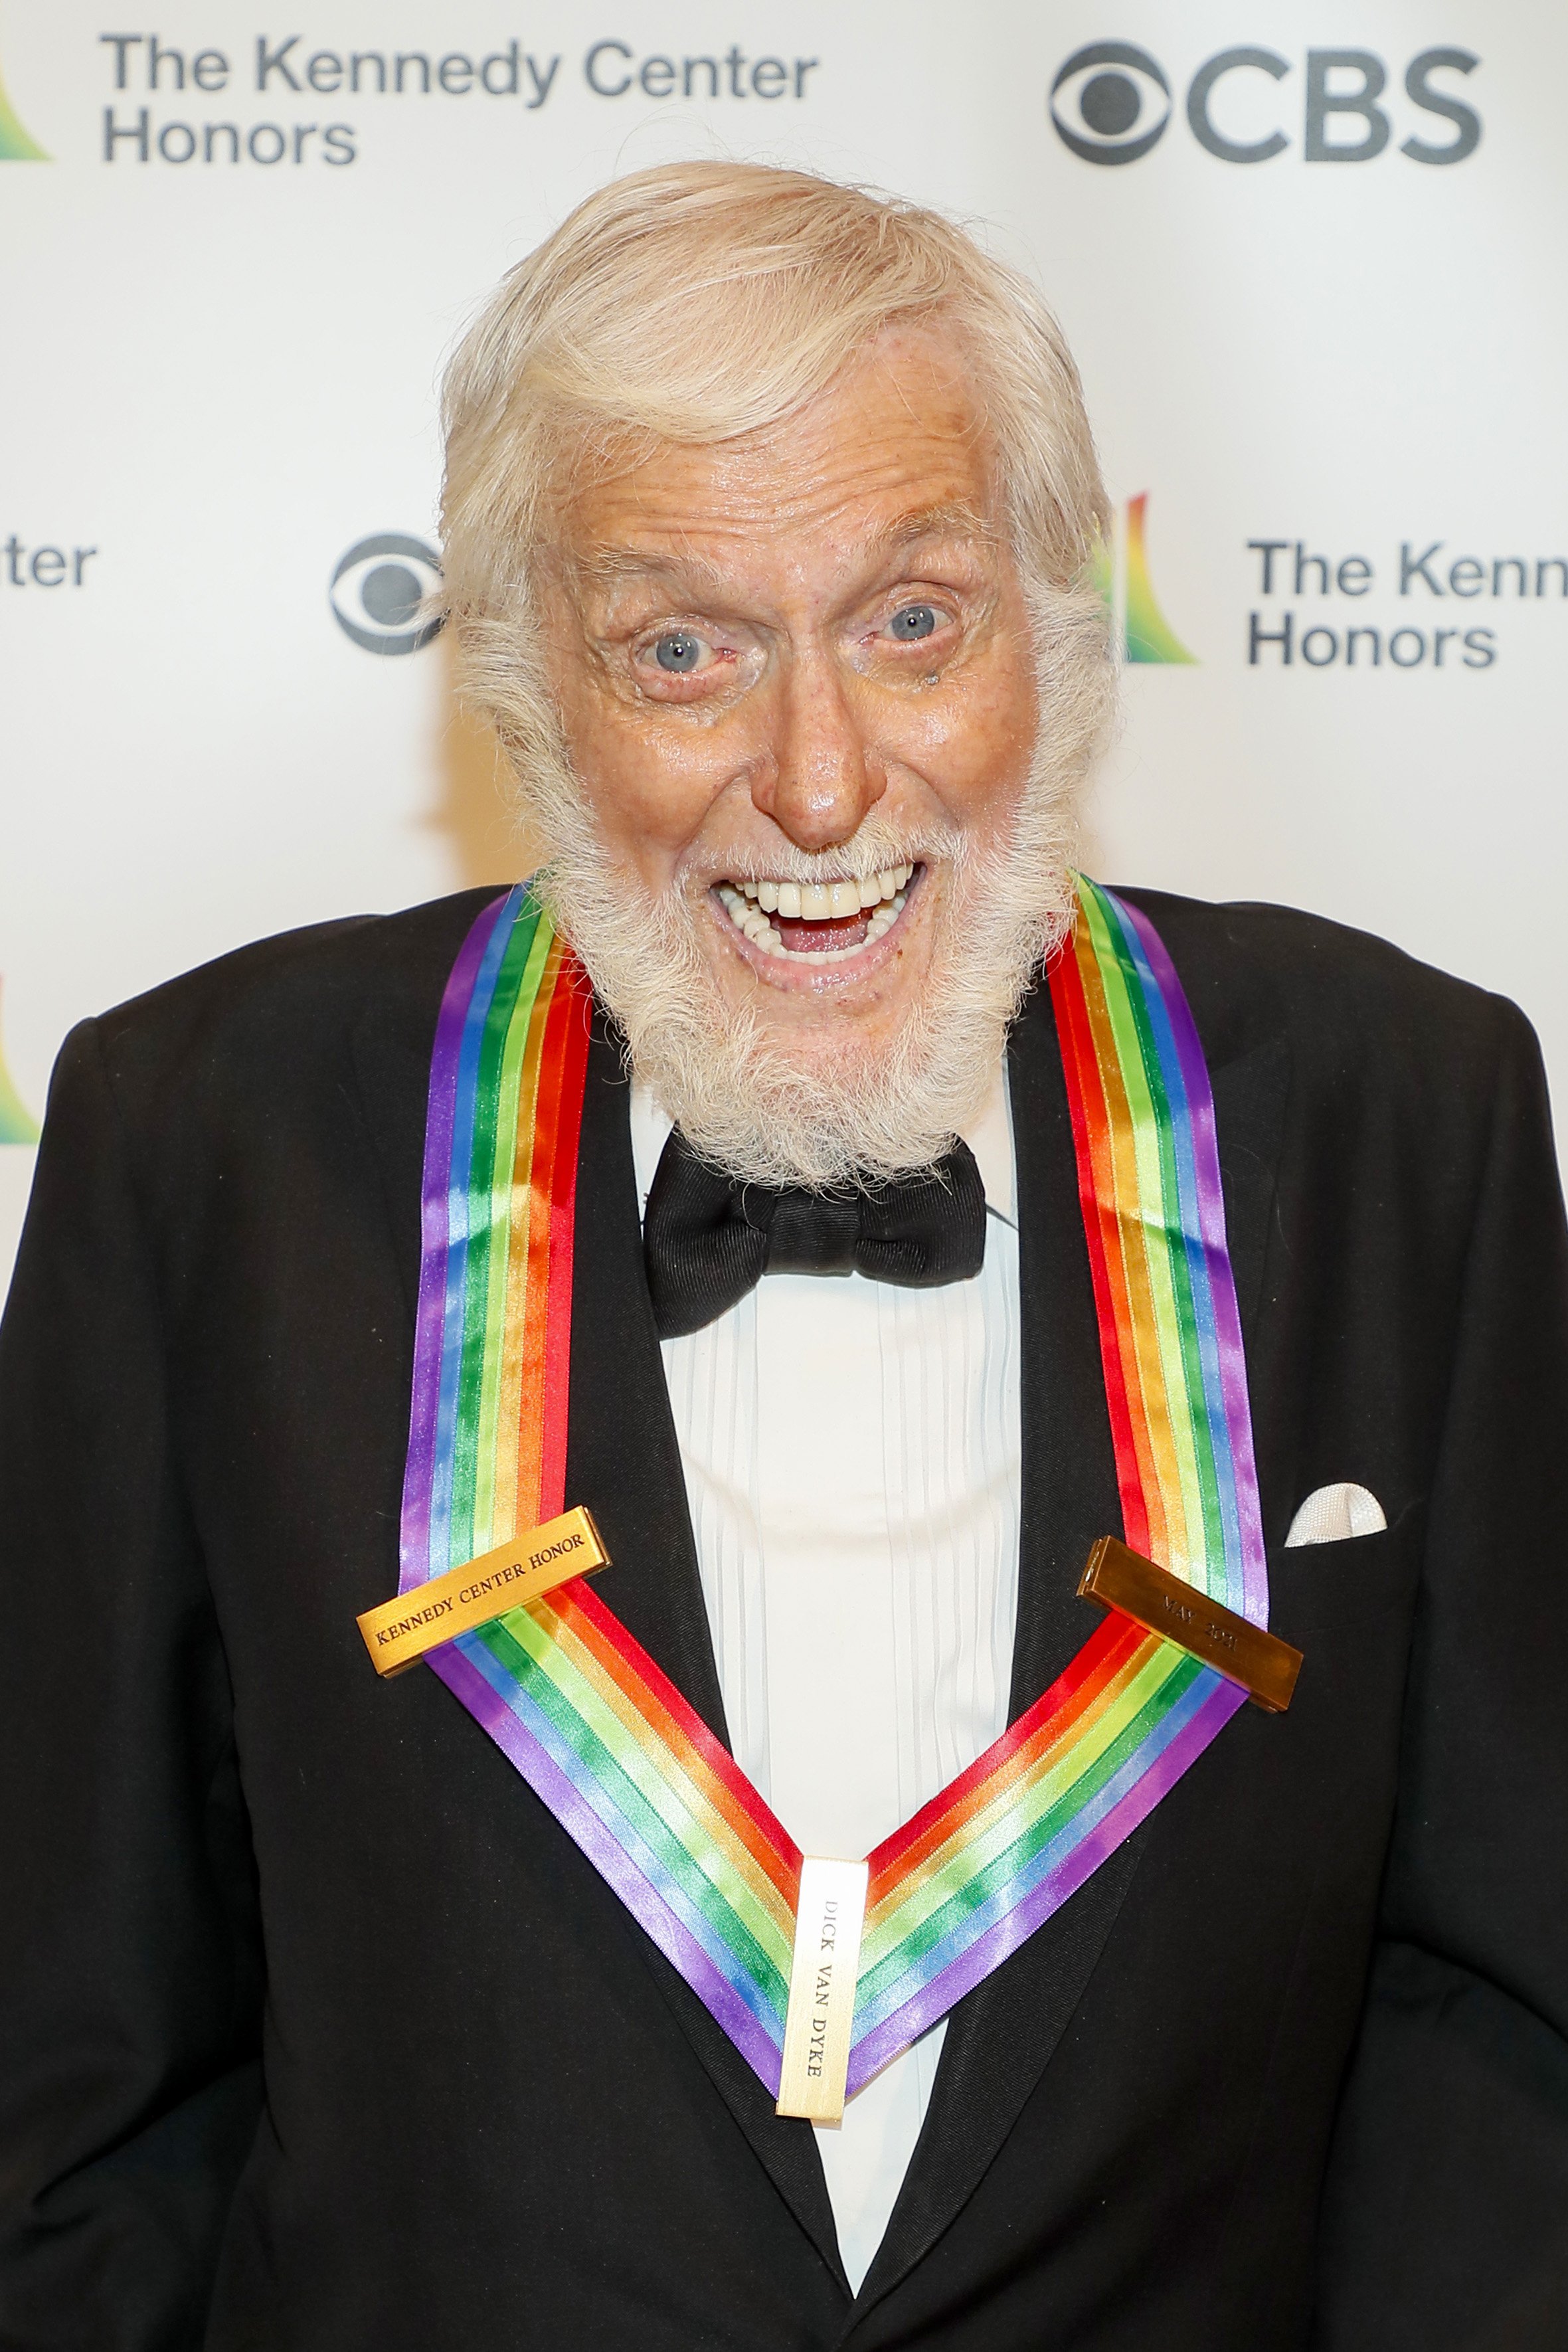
[822, 1977]
[1265, 1667]
[399, 1633]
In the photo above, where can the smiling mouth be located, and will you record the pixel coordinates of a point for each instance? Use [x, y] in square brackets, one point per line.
[817, 922]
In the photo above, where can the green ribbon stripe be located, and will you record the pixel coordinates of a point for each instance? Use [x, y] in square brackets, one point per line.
[1165, 1250]
[1194, 1389]
[1220, 1567]
[511, 1232]
[989, 1832]
[653, 1803]
[969, 1887]
[479, 1193]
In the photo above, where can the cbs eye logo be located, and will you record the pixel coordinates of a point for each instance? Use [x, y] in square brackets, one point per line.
[1109, 102]
[378, 588]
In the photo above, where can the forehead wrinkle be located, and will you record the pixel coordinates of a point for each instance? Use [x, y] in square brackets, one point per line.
[797, 475]
[608, 567]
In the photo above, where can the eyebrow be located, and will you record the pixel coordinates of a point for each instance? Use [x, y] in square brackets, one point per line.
[953, 519]
[614, 567]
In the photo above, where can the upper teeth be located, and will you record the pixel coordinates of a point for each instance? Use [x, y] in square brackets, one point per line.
[749, 904]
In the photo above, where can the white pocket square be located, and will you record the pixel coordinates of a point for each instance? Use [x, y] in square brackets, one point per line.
[1333, 1513]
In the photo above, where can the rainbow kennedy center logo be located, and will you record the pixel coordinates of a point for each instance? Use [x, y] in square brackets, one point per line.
[17, 1124]
[1146, 634]
[17, 146]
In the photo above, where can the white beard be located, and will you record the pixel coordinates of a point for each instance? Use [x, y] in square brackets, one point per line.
[854, 1114]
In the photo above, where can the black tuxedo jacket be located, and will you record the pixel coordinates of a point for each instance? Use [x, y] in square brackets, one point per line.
[319, 2036]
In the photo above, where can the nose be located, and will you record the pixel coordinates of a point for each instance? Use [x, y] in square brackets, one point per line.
[823, 777]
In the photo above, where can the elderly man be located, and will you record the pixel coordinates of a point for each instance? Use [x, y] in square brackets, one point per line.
[822, 1924]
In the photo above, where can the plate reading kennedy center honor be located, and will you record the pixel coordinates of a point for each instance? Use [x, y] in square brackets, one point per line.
[399, 1633]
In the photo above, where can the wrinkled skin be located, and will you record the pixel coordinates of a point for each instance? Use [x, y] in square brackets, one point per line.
[753, 646]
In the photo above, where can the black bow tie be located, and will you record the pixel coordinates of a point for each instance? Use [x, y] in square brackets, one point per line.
[708, 1240]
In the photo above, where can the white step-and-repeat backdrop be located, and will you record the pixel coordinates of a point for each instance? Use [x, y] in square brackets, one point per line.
[1310, 258]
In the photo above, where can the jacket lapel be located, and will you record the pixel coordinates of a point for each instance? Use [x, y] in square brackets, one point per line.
[622, 1458]
[623, 1461]
[1000, 2038]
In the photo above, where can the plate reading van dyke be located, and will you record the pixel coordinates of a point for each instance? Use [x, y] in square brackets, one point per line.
[1265, 1667]
[823, 1973]
[399, 1633]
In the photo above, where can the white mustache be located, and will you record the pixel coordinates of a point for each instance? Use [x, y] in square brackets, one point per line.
[871, 850]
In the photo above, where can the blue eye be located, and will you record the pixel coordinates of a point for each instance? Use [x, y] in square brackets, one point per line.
[677, 649]
[916, 621]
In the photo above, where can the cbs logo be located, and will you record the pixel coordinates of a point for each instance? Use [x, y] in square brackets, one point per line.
[377, 591]
[1110, 103]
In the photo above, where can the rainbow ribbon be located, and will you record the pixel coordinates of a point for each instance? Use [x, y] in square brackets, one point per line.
[599, 1734]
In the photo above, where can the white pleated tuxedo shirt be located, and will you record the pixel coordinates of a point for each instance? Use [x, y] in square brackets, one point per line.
[851, 1453]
